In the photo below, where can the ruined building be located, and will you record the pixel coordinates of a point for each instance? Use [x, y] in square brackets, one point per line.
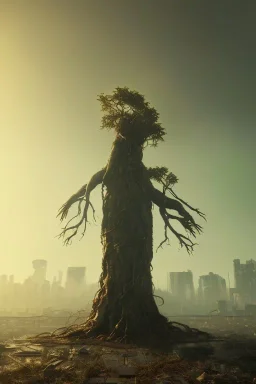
[245, 281]
[40, 269]
[212, 288]
[181, 285]
[75, 281]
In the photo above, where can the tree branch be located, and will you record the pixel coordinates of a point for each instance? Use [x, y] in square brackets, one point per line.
[185, 203]
[186, 220]
[183, 240]
[83, 195]
[167, 180]
[161, 200]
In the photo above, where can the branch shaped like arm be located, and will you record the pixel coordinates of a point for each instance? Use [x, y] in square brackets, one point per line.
[82, 195]
[186, 220]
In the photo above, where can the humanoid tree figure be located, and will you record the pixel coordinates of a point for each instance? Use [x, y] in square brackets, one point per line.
[124, 307]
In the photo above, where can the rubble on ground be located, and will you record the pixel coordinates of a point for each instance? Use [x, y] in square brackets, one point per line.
[30, 362]
[230, 360]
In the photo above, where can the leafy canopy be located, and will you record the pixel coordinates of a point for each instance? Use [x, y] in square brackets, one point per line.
[131, 117]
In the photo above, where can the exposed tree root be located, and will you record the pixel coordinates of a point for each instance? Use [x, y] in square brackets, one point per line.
[161, 335]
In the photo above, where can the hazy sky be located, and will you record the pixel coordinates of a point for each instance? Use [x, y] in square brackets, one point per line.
[194, 60]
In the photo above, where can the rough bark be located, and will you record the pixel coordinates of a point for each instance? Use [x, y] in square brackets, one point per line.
[124, 306]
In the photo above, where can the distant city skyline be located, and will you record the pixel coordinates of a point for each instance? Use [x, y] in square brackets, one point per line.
[159, 283]
[62, 274]
[36, 295]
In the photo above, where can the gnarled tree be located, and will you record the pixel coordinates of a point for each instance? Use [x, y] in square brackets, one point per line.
[124, 307]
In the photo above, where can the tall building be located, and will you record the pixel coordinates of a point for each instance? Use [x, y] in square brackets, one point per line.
[11, 279]
[75, 281]
[40, 268]
[181, 285]
[245, 280]
[212, 288]
[60, 277]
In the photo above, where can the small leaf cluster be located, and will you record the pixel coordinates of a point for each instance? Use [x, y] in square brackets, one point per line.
[163, 176]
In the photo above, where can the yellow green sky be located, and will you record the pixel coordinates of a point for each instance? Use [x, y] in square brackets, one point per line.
[193, 60]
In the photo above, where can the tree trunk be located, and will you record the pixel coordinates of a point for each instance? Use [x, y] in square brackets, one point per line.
[124, 306]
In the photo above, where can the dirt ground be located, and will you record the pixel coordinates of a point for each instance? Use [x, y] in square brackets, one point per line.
[230, 359]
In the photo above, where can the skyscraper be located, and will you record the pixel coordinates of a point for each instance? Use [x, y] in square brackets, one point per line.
[75, 281]
[40, 268]
[212, 287]
[182, 285]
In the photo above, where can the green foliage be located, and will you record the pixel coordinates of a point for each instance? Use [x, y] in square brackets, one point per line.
[131, 116]
[162, 176]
